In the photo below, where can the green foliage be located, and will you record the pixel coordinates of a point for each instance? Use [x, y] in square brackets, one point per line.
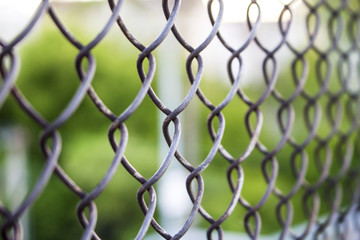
[48, 79]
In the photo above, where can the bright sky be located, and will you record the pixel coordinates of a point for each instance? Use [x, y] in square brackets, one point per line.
[14, 15]
[270, 9]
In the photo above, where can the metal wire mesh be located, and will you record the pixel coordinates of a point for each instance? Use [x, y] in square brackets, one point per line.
[331, 38]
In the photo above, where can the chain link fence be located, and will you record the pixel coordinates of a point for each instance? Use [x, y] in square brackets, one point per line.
[296, 126]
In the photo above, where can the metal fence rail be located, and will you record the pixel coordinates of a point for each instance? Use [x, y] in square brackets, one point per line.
[327, 60]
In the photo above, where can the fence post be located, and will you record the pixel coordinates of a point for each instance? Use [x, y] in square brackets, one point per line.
[15, 175]
[173, 199]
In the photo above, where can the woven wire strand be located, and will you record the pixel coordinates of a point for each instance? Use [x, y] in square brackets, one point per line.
[338, 107]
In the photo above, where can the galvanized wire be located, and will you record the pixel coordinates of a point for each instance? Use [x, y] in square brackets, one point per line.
[335, 154]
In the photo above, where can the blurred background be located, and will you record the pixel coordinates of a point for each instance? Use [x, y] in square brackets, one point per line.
[48, 79]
